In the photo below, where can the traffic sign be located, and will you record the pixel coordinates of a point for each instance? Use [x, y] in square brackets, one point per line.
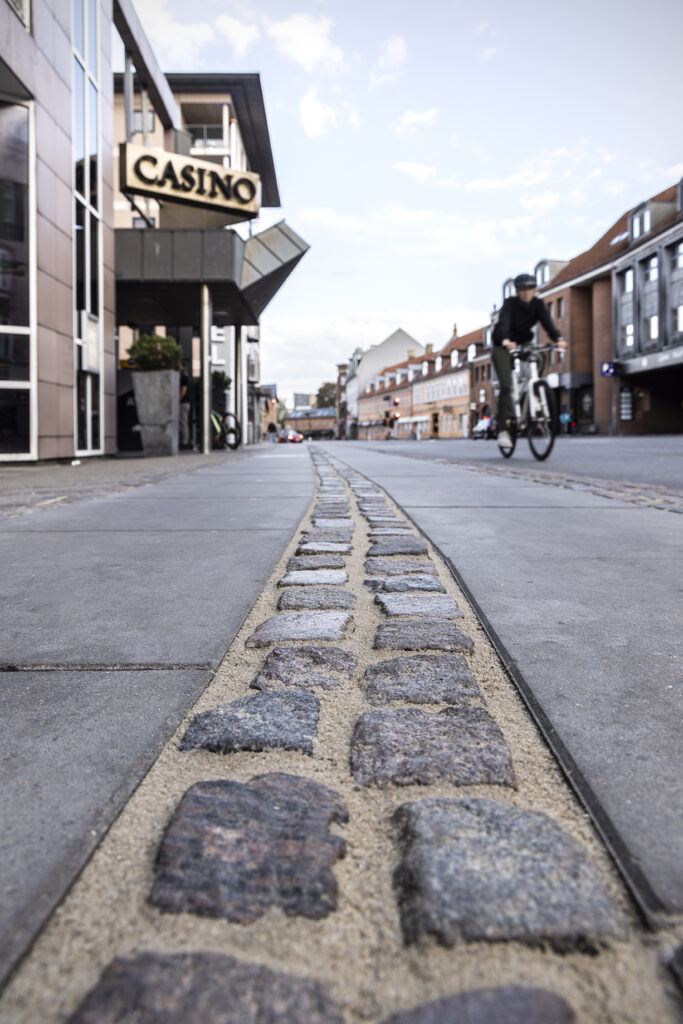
[606, 369]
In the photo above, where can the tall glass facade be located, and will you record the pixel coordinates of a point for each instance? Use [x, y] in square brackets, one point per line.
[15, 330]
[87, 248]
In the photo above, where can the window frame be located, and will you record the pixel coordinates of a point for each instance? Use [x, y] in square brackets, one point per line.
[30, 330]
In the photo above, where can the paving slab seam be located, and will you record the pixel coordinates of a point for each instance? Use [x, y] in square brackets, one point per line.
[367, 926]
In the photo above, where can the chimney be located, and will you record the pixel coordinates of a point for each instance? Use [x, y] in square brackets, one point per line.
[429, 350]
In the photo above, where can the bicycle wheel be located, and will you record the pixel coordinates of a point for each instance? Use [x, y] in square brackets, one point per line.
[232, 431]
[542, 426]
[512, 431]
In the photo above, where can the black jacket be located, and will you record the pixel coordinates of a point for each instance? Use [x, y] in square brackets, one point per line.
[517, 318]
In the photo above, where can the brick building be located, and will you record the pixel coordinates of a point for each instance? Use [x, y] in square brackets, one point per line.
[316, 424]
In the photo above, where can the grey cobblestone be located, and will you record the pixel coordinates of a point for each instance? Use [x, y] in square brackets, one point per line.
[441, 605]
[261, 721]
[406, 746]
[509, 1004]
[316, 598]
[299, 562]
[398, 566]
[233, 849]
[323, 547]
[421, 679]
[476, 869]
[202, 988]
[300, 626]
[422, 634]
[306, 667]
[399, 546]
[315, 577]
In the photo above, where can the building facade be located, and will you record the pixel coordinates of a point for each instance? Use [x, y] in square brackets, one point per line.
[79, 268]
[314, 424]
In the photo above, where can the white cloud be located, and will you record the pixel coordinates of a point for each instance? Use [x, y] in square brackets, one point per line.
[489, 52]
[420, 172]
[316, 117]
[300, 352]
[176, 44]
[306, 40]
[239, 34]
[412, 121]
[614, 187]
[481, 27]
[541, 203]
[605, 154]
[388, 65]
[578, 196]
[323, 216]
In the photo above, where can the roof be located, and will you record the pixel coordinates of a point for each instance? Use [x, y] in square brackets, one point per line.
[606, 248]
[324, 412]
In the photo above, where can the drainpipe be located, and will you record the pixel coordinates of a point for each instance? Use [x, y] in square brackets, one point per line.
[206, 368]
[128, 96]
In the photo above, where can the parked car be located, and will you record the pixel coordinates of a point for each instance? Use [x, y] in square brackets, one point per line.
[485, 427]
[295, 437]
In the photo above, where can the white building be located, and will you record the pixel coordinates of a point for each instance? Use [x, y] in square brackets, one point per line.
[364, 365]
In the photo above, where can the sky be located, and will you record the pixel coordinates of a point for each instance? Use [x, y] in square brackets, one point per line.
[427, 151]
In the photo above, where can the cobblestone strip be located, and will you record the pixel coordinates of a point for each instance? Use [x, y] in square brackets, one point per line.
[356, 823]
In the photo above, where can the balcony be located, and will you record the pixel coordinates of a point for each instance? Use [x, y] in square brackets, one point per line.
[208, 139]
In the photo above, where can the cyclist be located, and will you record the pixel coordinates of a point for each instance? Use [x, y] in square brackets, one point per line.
[518, 315]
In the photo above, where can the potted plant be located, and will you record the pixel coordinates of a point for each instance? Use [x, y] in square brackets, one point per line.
[156, 383]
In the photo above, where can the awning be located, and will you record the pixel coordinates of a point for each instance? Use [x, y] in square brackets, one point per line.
[159, 274]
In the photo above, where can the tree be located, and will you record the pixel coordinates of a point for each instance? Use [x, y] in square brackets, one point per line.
[327, 395]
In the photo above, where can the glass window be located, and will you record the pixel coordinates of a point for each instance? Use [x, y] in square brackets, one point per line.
[79, 28]
[14, 421]
[628, 280]
[652, 324]
[652, 272]
[677, 319]
[14, 357]
[94, 304]
[560, 308]
[79, 237]
[137, 120]
[92, 37]
[550, 308]
[92, 141]
[646, 220]
[79, 126]
[546, 273]
[14, 254]
[636, 227]
[678, 257]
[629, 336]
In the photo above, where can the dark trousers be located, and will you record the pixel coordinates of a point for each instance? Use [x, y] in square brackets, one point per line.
[502, 362]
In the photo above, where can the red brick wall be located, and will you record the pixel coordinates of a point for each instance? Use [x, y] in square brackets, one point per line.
[603, 351]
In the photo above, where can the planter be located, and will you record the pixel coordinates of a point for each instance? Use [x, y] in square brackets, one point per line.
[157, 397]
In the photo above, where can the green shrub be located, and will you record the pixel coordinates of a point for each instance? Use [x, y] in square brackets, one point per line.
[154, 352]
[220, 381]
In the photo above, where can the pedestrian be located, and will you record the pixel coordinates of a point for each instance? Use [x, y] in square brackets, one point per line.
[184, 420]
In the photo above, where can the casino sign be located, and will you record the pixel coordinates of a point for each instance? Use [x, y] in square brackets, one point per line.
[181, 179]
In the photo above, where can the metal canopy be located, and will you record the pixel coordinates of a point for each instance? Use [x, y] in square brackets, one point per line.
[159, 274]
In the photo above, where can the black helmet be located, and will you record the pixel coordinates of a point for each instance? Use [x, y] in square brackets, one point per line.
[525, 281]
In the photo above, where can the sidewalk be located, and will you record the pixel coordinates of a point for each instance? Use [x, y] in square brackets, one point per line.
[119, 600]
[356, 822]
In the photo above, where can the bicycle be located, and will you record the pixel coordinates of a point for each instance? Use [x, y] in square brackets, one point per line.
[533, 403]
[226, 431]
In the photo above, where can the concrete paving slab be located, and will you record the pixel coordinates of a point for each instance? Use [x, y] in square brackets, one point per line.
[139, 579]
[584, 593]
[73, 747]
